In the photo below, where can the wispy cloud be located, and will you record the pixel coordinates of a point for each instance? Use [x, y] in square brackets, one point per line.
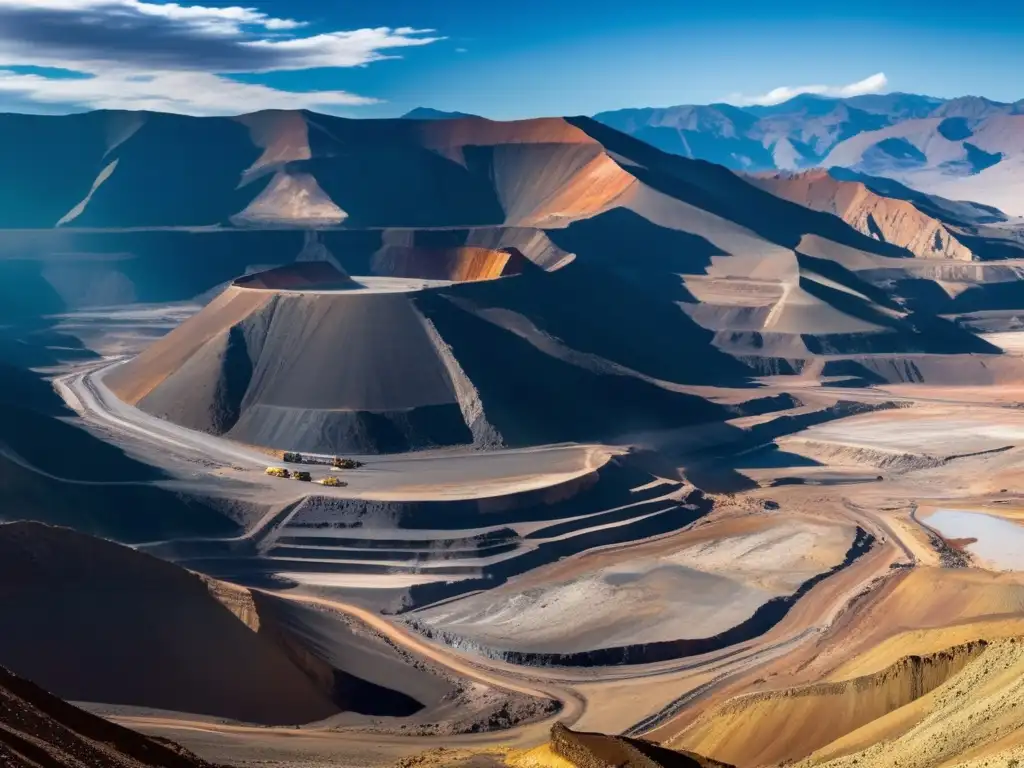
[874, 84]
[134, 54]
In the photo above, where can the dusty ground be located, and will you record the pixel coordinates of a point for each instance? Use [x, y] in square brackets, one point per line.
[687, 591]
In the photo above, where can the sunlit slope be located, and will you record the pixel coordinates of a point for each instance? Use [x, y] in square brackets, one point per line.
[886, 219]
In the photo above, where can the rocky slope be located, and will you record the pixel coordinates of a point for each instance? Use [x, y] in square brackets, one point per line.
[886, 219]
[781, 726]
[568, 748]
[38, 730]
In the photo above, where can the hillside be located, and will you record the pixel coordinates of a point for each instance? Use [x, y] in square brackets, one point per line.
[612, 277]
[159, 636]
[928, 226]
[38, 730]
[124, 631]
[977, 158]
[393, 371]
[293, 168]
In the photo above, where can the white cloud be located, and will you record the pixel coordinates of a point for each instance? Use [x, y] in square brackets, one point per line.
[192, 93]
[139, 54]
[228, 20]
[337, 49]
[874, 84]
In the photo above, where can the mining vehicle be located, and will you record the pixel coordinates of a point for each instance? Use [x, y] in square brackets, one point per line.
[339, 463]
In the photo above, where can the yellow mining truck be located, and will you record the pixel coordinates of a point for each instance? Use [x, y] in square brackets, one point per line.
[339, 463]
[333, 482]
[303, 476]
[278, 472]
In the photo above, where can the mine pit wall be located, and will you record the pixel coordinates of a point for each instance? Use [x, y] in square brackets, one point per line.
[782, 726]
[866, 370]
[786, 424]
[595, 498]
[320, 673]
[605, 488]
[405, 553]
[256, 611]
[352, 432]
[437, 547]
[58, 270]
[764, 433]
[238, 600]
[834, 454]
[245, 605]
[663, 517]
[466, 394]
[465, 264]
[673, 517]
[945, 369]
[764, 618]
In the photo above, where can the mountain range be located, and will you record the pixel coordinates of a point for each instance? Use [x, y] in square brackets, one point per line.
[968, 148]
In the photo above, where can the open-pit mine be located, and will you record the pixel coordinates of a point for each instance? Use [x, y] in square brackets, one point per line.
[526, 444]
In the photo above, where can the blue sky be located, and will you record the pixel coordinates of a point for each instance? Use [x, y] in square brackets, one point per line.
[503, 60]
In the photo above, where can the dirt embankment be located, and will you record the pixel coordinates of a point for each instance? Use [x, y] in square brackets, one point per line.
[776, 726]
[95, 621]
[974, 719]
[860, 456]
[246, 606]
[597, 750]
[38, 730]
[302, 276]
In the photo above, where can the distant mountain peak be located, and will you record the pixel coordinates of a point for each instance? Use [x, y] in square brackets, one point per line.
[966, 148]
[428, 113]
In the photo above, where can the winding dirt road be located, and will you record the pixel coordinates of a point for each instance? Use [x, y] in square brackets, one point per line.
[668, 690]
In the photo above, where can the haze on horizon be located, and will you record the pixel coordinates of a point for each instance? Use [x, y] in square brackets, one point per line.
[216, 57]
